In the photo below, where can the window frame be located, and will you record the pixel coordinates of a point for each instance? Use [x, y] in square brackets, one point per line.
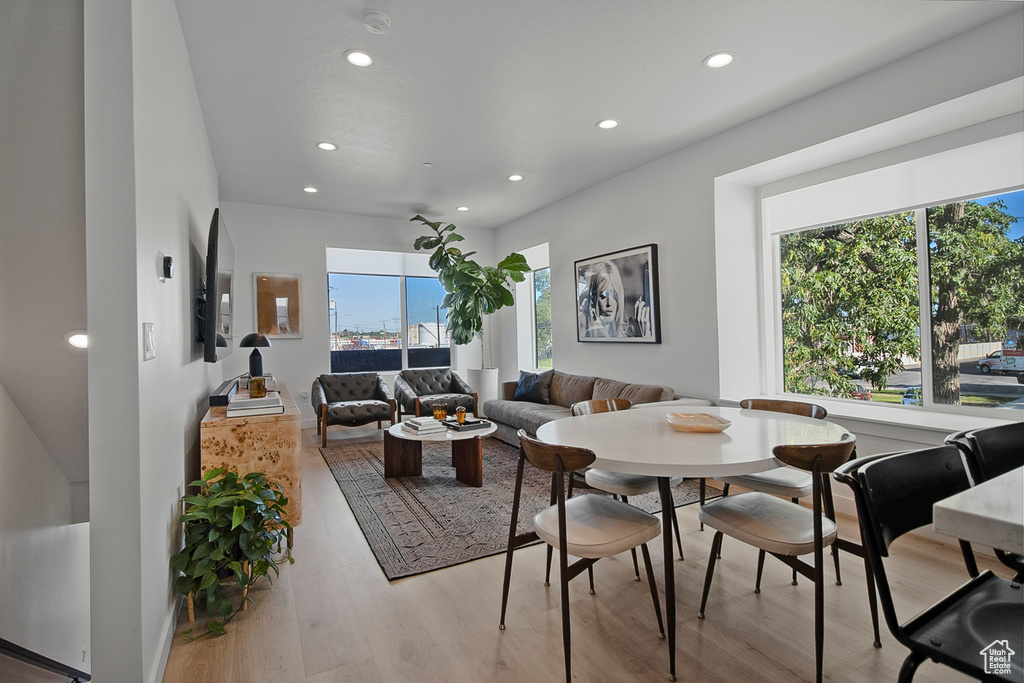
[772, 296]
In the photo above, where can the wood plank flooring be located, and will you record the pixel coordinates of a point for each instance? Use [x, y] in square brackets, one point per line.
[334, 617]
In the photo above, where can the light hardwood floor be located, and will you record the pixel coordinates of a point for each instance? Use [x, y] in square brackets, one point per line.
[333, 616]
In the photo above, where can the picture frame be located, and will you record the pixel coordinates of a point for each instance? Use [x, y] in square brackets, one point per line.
[617, 298]
[278, 304]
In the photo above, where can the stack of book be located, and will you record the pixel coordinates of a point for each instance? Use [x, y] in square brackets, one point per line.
[240, 406]
[423, 425]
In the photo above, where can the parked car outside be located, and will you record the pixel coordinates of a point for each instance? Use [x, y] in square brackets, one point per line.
[912, 396]
[986, 363]
[861, 392]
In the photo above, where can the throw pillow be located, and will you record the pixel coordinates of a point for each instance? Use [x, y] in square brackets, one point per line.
[533, 386]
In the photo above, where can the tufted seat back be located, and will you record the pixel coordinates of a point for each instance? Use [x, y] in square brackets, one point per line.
[350, 386]
[429, 381]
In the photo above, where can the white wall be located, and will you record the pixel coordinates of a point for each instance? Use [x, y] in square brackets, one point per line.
[671, 202]
[44, 559]
[151, 187]
[279, 240]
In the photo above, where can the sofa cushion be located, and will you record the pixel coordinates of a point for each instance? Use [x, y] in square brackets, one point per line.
[524, 415]
[567, 389]
[533, 386]
[637, 393]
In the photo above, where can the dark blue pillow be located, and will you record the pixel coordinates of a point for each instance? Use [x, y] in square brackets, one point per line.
[534, 386]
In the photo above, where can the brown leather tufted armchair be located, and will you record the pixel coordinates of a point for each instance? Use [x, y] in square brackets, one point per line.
[351, 399]
[418, 391]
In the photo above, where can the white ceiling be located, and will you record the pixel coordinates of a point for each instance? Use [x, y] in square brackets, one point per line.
[485, 88]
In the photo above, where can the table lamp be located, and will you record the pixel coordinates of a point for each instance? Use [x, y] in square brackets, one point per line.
[255, 340]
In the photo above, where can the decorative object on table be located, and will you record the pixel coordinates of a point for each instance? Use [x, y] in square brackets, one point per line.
[696, 422]
[467, 424]
[278, 305]
[617, 297]
[419, 524]
[257, 387]
[440, 413]
[233, 527]
[419, 390]
[460, 415]
[256, 341]
[351, 399]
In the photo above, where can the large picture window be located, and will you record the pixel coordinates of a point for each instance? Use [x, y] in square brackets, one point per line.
[908, 308]
[370, 328]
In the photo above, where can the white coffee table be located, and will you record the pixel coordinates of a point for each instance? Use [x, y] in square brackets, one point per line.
[403, 452]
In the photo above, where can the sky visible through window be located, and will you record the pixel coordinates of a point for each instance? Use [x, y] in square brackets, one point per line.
[365, 302]
[1014, 207]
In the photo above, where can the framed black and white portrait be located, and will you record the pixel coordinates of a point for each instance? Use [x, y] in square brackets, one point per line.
[617, 297]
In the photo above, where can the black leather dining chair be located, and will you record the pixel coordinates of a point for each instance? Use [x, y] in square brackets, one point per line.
[895, 493]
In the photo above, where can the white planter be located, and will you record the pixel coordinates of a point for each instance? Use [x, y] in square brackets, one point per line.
[485, 383]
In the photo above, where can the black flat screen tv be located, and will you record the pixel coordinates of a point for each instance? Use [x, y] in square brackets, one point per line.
[216, 311]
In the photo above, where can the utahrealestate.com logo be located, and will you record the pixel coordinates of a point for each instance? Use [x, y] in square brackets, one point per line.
[997, 658]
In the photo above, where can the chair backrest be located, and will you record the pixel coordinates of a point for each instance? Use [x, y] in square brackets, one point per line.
[601, 405]
[429, 381]
[995, 450]
[554, 458]
[781, 406]
[349, 386]
[829, 456]
[895, 494]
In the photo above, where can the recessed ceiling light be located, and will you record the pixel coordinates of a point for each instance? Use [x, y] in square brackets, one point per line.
[515, 177]
[358, 57]
[327, 146]
[462, 208]
[77, 338]
[311, 190]
[718, 60]
[427, 164]
[607, 124]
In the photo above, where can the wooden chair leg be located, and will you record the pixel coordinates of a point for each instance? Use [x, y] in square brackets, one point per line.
[590, 575]
[636, 565]
[511, 541]
[563, 572]
[716, 546]
[323, 418]
[547, 568]
[760, 569]
[654, 588]
[703, 491]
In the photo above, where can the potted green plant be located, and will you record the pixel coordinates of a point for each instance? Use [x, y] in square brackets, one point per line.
[233, 527]
[471, 290]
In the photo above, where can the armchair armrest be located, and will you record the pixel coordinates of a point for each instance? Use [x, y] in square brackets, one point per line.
[405, 395]
[459, 385]
[383, 390]
[317, 397]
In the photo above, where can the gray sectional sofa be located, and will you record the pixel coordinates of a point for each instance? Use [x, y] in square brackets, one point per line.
[510, 415]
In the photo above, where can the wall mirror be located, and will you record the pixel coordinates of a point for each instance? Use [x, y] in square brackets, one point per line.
[278, 307]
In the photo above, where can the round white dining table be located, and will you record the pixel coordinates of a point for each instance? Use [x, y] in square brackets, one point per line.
[640, 441]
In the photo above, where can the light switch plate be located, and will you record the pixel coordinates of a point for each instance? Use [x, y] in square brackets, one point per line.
[148, 342]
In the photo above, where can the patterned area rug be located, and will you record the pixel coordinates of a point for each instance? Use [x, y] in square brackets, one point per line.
[419, 524]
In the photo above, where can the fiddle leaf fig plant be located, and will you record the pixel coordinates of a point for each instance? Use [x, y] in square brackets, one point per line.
[471, 290]
[233, 526]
